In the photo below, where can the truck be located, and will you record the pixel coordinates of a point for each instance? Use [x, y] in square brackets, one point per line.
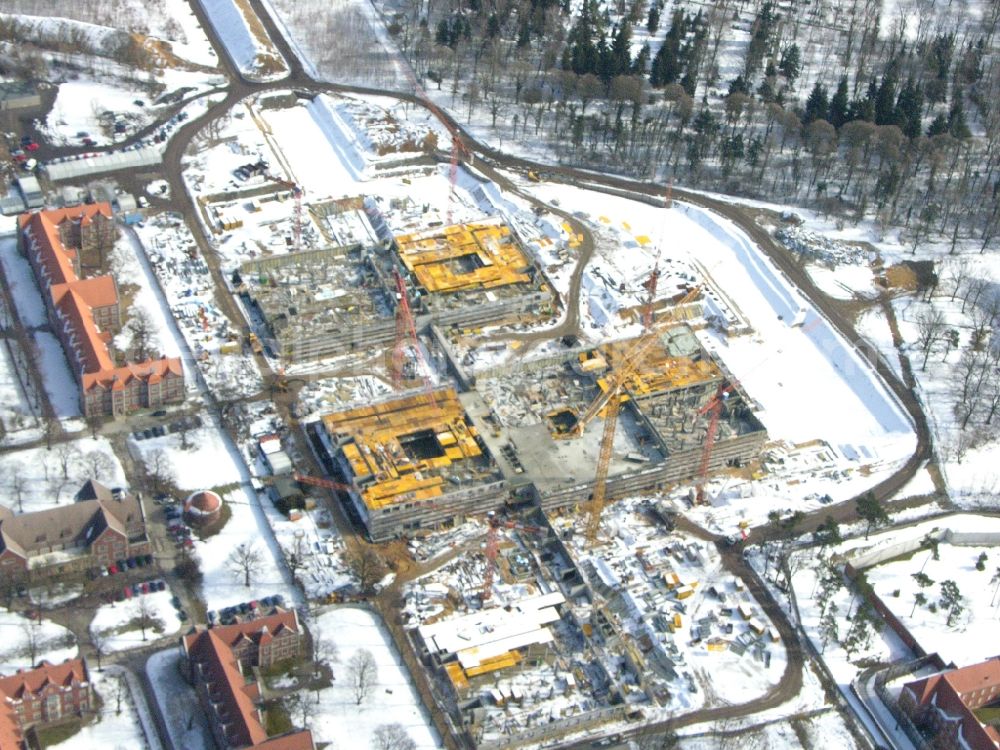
[254, 342]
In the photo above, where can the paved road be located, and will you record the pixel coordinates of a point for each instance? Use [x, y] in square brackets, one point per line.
[489, 160]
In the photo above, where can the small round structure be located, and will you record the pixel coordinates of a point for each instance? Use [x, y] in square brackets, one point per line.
[202, 508]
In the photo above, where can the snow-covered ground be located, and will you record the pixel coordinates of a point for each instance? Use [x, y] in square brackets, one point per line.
[78, 107]
[45, 486]
[21, 279]
[52, 642]
[186, 723]
[189, 294]
[119, 723]
[207, 462]
[393, 700]
[118, 623]
[962, 642]
[245, 39]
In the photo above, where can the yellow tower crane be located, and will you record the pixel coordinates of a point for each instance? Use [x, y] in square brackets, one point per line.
[609, 401]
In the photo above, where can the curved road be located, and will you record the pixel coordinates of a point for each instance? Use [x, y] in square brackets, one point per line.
[488, 161]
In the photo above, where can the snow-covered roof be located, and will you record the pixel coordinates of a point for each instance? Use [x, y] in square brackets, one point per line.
[488, 633]
[147, 156]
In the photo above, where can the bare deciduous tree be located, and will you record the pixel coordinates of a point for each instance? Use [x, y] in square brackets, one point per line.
[98, 464]
[367, 567]
[363, 674]
[392, 737]
[244, 560]
[66, 455]
[930, 329]
[18, 483]
[144, 614]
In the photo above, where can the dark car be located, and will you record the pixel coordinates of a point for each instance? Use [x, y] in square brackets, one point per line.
[182, 615]
[176, 601]
[159, 431]
[160, 413]
[130, 562]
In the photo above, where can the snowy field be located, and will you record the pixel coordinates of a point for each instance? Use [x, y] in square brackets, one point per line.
[52, 642]
[117, 624]
[118, 725]
[223, 585]
[960, 642]
[78, 107]
[207, 462]
[393, 700]
[17, 410]
[44, 484]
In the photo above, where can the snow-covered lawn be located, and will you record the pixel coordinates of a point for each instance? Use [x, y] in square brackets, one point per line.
[961, 642]
[978, 624]
[393, 700]
[118, 623]
[23, 288]
[17, 413]
[207, 462]
[223, 585]
[52, 642]
[42, 473]
[186, 723]
[118, 725]
[78, 109]
[64, 394]
[127, 267]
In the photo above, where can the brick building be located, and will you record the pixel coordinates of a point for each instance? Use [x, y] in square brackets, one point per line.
[85, 312]
[219, 661]
[45, 695]
[95, 531]
[945, 704]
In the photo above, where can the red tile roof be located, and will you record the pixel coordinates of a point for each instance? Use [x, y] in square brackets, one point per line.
[233, 699]
[74, 299]
[46, 673]
[951, 694]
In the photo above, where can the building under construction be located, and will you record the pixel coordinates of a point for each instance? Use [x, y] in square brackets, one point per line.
[413, 462]
[320, 303]
[418, 462]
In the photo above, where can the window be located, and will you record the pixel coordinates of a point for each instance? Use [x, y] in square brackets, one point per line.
[52, 707]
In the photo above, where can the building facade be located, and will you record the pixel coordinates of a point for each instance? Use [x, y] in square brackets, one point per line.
[945, 704]
[96, 531]
[85, 312]
[219, 662]
[47, 694]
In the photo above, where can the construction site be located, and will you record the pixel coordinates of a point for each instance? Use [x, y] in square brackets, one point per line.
[312, 304]
[539, 435]
[411, 462]
[549, 634]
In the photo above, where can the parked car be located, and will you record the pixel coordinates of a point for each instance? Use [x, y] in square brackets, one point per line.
[160, 413]
[130, 562]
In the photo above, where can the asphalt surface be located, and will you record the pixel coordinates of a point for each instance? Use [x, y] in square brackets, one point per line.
[489, 161]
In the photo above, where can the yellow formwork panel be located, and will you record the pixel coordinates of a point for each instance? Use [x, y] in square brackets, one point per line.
[456, 674]
[503, 661]
[428, 256]
[373, 439]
